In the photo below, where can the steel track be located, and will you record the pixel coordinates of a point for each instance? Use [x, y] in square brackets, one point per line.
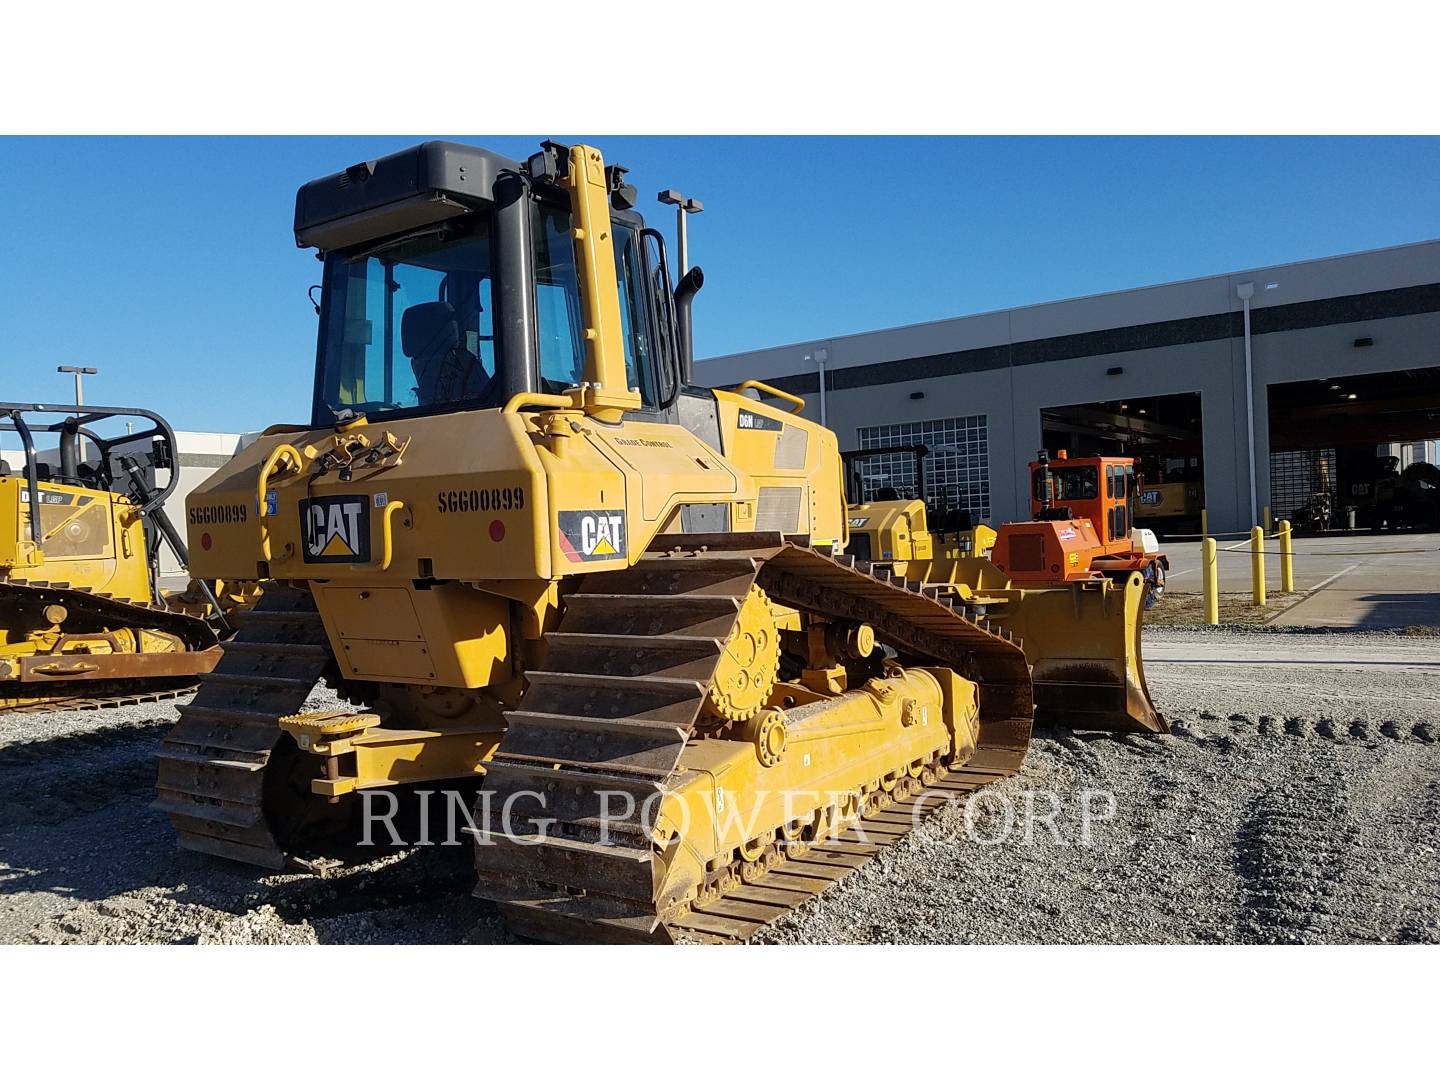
[747, 909]
[81, 703]
[621, 692]
[215, 769]
[94, 611]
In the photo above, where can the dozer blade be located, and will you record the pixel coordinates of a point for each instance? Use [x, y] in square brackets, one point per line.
[1083, 642]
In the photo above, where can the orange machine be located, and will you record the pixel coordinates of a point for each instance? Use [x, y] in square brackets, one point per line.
[1081, 511]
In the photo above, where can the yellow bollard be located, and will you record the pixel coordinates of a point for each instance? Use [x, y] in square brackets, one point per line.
[1211, 581]
[1268, 529]
[1257, 565]
[1204, 523]
[1287, 559]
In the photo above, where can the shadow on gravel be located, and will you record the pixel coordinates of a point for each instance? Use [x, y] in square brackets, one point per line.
[76, 825]
[130, 850]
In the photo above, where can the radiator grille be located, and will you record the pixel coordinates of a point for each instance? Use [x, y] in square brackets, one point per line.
[790, 447]
[778, 510]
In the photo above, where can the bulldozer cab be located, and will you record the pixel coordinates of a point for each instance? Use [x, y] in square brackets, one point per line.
[485, 303]
[502, 391]
[893, 514]
[1098, 489]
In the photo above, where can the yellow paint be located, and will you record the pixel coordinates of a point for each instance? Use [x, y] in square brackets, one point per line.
[1257, 566]
[726, 794]
[609, 394]
[368, 756]
[95, 543]
[1210, 580]
[1287, 559]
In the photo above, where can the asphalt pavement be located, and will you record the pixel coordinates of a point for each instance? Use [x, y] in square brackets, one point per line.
[1357, 580]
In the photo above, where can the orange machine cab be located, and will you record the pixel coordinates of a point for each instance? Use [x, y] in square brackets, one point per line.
[1080, 510]
[1097, 489]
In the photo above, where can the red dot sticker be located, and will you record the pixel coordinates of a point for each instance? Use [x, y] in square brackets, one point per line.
[497, 530]
[205, 541]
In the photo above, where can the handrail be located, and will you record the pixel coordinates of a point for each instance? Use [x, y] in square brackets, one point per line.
[531, 397]
[387, 538]
[262, 510]
[766, 388]
[284, 450]
[32, 484]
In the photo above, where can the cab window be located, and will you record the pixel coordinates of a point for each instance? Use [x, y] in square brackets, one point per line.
[559, 322]
[1069, 483]
[409, 326]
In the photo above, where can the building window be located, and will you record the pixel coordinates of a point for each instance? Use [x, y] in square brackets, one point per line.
[1295, 475]
[957, 469]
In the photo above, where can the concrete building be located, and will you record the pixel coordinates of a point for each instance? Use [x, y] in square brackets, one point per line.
[1343, 356]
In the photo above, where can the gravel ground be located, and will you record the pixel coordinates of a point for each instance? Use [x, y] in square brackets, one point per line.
[1292, 804]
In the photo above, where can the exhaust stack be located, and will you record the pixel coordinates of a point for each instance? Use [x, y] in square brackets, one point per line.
[690, 284]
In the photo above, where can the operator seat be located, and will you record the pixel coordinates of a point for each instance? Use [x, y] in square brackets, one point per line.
[445, 371]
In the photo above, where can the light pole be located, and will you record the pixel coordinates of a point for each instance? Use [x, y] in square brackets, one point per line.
[79, 373]
[818, 358]
[1246, 292]
[683, 206]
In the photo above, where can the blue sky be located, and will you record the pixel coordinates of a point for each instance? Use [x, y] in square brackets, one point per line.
[170, 263]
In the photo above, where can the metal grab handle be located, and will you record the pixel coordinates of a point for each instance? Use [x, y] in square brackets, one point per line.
[766, 388]
[387, 538]
[56, 668]
[284, 450]
[530, 397]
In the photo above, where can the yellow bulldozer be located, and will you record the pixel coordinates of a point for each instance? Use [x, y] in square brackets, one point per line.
[83, 620]
[537, 560]
[1080, 630]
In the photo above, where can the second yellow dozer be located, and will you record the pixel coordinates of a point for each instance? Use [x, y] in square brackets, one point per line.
[83, 620]
[536, 558]
[1081, 637]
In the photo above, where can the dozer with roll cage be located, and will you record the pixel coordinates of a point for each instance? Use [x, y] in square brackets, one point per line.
[1079, 622]
[84, 622]
[534, 556]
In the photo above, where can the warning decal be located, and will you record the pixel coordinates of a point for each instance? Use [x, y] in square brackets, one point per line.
[592, 535]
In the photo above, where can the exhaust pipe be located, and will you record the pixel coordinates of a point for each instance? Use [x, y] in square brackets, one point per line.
[70, 450]
[685, 292]
[1043, 457]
